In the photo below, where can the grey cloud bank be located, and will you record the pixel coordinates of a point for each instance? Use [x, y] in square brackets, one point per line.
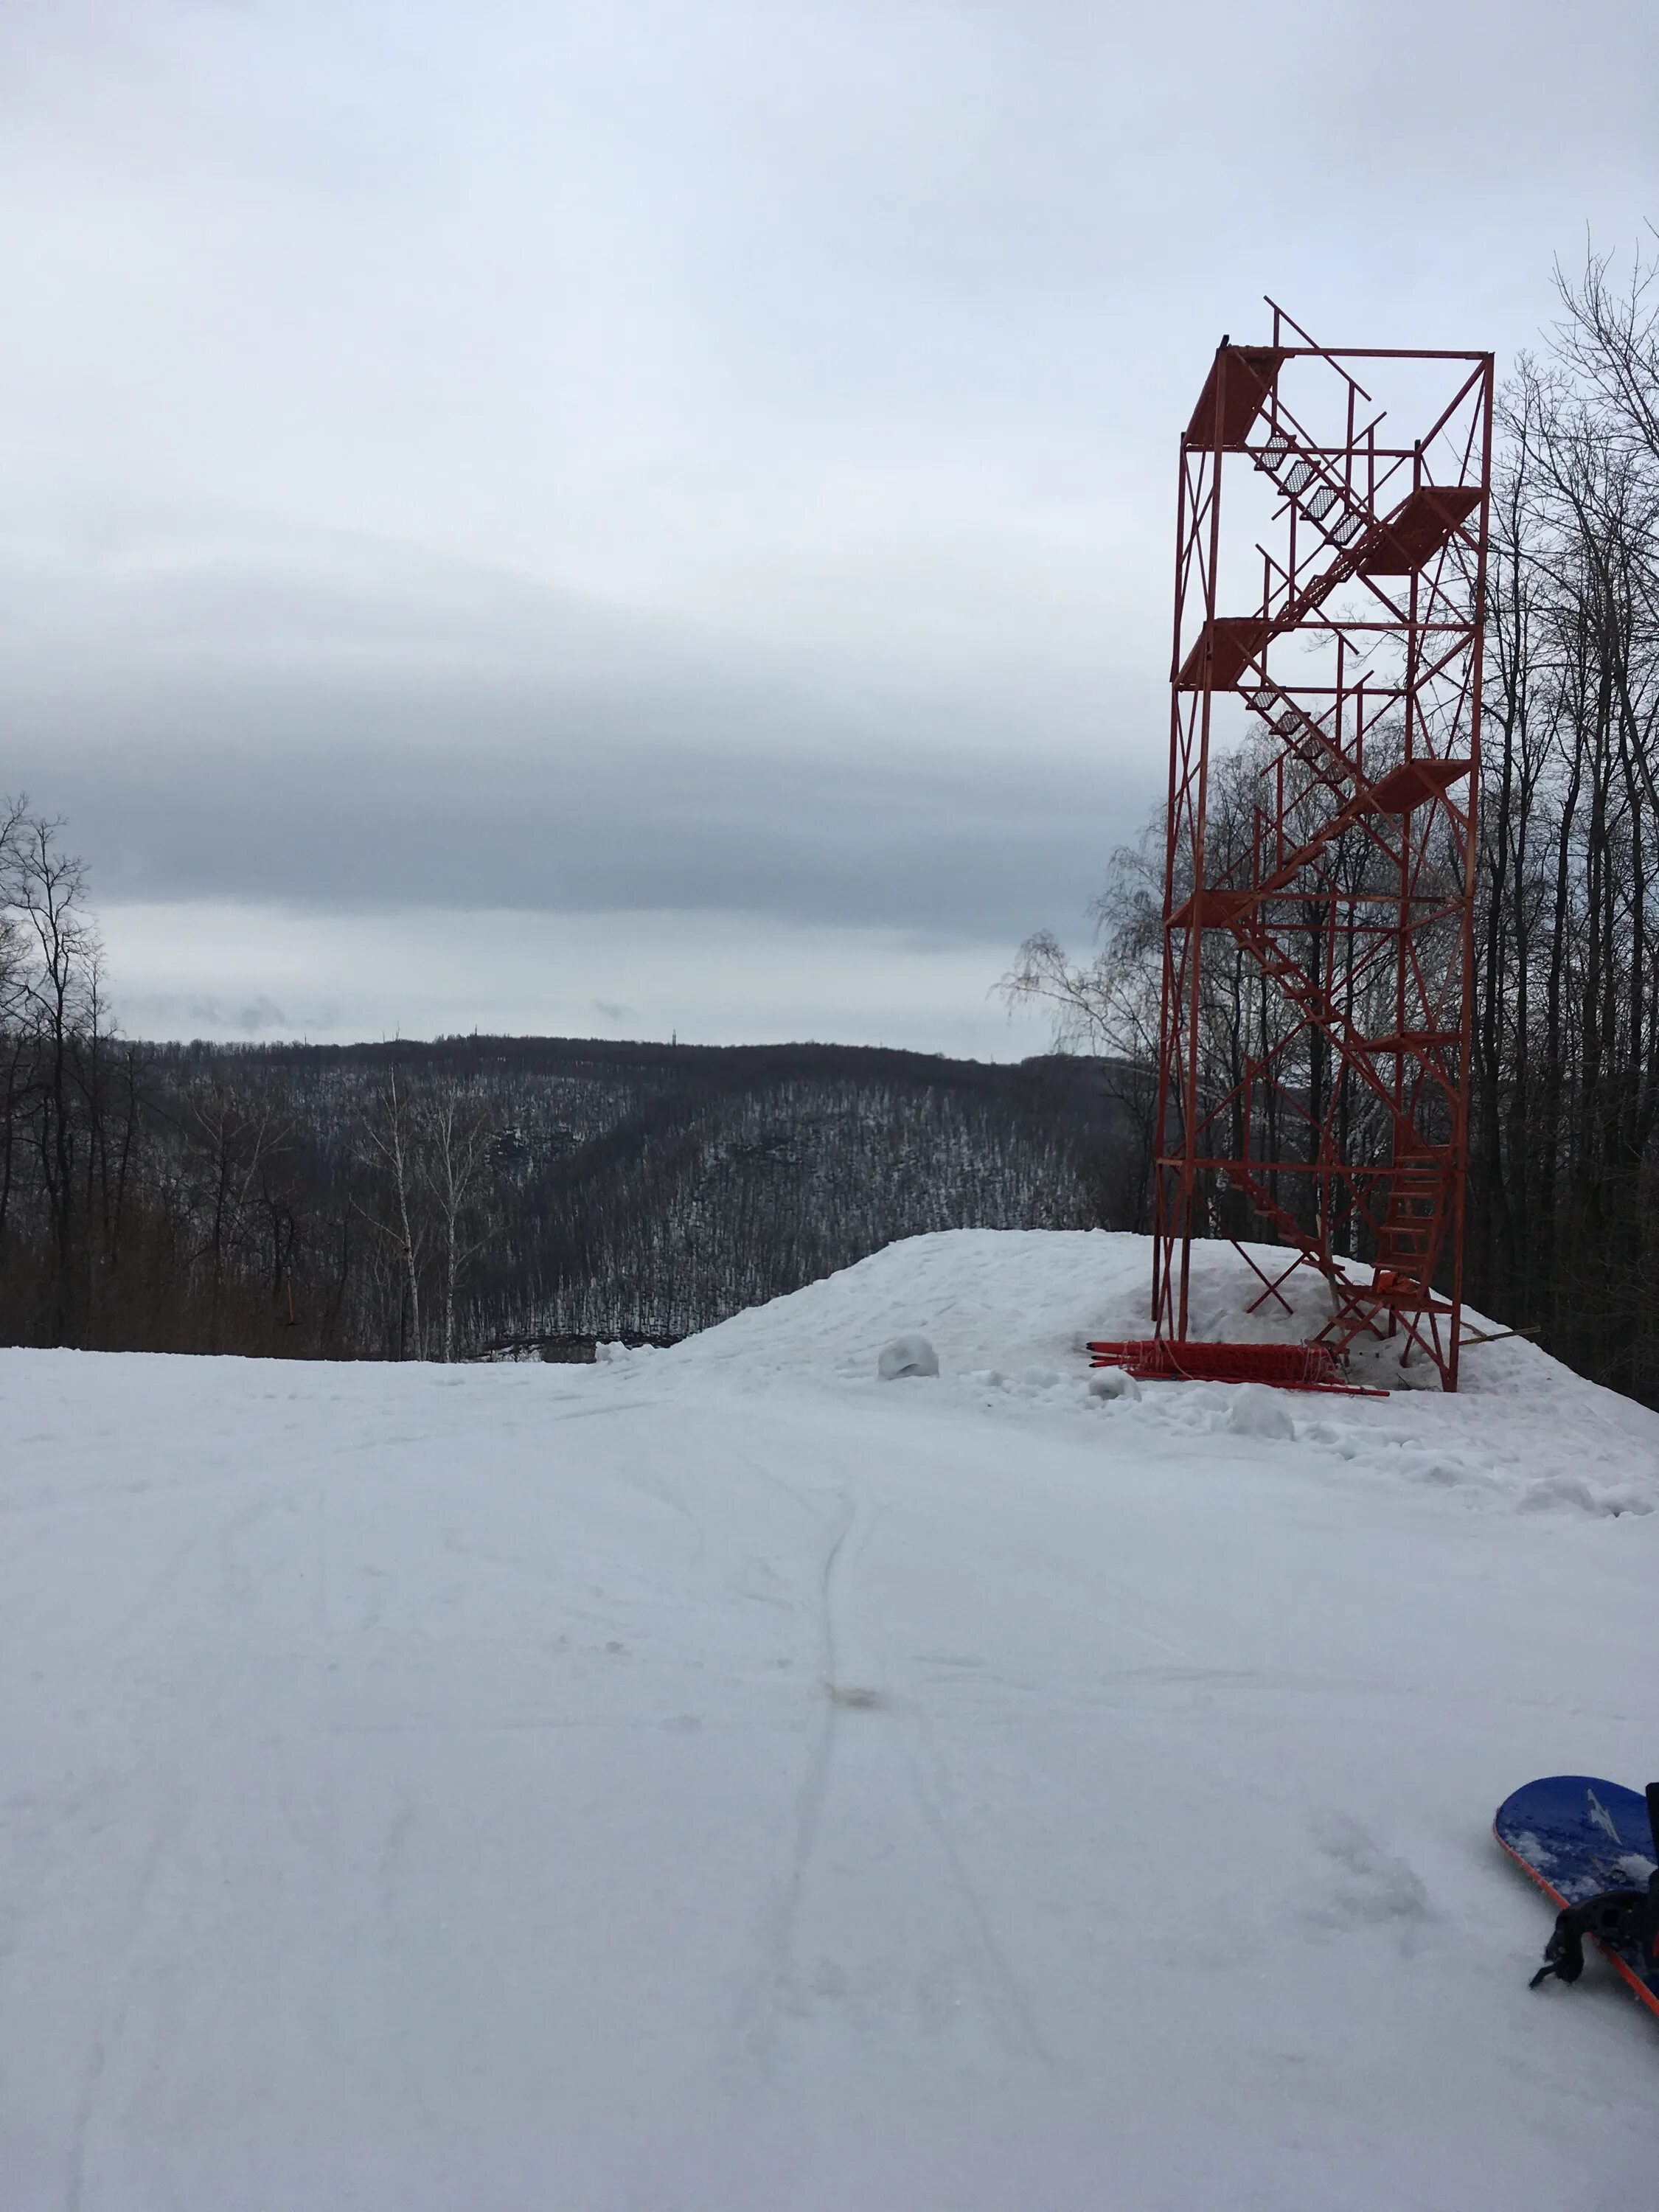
[676, 461]
[346, 732]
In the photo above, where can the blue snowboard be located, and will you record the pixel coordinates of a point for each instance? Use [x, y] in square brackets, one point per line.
[1577, 1836]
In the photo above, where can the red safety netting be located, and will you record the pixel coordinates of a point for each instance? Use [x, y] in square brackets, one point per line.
[1285, 1366]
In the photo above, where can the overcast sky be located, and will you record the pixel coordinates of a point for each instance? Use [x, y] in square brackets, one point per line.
[646, 518]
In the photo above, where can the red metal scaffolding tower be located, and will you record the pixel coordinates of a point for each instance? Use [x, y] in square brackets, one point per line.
[1324, 761]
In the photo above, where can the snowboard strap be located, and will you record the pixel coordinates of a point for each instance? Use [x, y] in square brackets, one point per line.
[1623, 1919]
[1617, 1917]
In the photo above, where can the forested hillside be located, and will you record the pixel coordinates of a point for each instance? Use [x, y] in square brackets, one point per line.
[439, 1200]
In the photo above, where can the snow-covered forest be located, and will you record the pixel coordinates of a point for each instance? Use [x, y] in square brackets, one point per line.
[439, 1200]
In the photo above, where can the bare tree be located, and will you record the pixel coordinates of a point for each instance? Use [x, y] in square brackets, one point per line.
[1107, 1008]
[454, 1158]
[53, 990]
[234, 1135]
[388, 1130]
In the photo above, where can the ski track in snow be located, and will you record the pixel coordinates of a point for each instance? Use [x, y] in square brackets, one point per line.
[860, 1710]
[721, 1779]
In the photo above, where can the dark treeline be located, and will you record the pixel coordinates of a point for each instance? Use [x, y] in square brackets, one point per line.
[1562, 1236]
[1564, 1193]
[437, 1201]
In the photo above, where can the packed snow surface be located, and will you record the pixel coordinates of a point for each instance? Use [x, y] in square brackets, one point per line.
[722, 1779]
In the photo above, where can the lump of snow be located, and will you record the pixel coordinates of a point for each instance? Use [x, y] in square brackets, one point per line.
[1625, 1497]
[1113, 1382]
[986, 1378]
[906, 1355]
[1553, 1490]
[1255, 1411]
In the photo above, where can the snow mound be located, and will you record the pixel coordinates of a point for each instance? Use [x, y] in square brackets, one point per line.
[906, 1355]
[1257, 1410]
[1011, 1313]
[1007, 1298]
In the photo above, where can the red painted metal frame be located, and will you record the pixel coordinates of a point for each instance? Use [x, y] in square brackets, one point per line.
[1341, 901]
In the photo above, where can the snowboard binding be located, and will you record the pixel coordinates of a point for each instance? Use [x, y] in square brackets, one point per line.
[1625, 1920]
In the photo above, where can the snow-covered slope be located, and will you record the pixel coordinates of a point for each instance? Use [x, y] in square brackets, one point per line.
[1010, 1313]
[721, 1779]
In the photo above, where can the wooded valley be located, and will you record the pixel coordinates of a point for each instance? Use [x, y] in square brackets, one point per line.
[478, 1194]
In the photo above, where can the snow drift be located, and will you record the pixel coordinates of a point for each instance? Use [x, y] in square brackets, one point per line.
[1010, 1312]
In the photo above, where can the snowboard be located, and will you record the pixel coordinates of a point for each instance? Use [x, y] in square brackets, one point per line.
[1577, 1836]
